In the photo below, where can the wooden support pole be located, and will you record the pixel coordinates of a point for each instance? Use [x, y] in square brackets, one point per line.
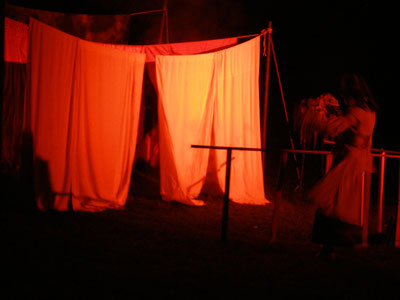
[328, 162]
[162, 28]
[164, 21]
[397, 233]
[267, 71]
[225, 209]
[285, 109]
[365, 209]
[381, 181]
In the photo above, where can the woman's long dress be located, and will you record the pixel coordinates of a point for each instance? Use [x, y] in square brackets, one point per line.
[338, 195]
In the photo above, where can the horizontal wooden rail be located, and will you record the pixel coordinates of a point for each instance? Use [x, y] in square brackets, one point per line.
[230, 148]
[381, 153]
[225, 208]
[386, 151]
[393, 154]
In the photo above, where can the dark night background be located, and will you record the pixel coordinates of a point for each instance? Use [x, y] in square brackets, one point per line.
[315, 42]
[155, 249]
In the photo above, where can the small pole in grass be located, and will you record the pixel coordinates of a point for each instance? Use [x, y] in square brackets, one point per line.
[225, 209]
[381, 181]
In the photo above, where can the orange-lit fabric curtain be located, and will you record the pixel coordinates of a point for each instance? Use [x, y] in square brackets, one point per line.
[188, 48]
[237, 121]
[51, 62]
[107, 97]
[200, 93]
[185, 115]
[148, 145]
[15, 41]
[82, 112]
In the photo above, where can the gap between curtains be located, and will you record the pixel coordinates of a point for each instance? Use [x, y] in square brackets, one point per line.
[81, 111]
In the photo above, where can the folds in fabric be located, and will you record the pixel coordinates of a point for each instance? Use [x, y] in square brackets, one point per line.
[15, 41]
[185, 114]
[83, 113]
[16, 49]
[188, 48]
[51, 64]
[200, 93]
[237, 121]
[107, 96]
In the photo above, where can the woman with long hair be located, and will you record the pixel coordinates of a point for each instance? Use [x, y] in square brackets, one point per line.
[338, 195]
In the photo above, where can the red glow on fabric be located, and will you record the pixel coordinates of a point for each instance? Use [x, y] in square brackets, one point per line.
[201, 96]
[84, 110]
[85, 102]
[15, 41]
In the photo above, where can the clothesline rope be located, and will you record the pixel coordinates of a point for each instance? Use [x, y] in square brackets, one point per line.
[264, 32]
[147, 12]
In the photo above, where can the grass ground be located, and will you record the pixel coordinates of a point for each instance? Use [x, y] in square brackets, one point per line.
[160, 250]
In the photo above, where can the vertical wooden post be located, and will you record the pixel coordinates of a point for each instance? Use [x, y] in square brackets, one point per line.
[278, 195]
[365, 211]
[285, 109]
[267, 68]
[225, 209]
[397, 233]
[381, 181]
[164, 21]
[328, 162]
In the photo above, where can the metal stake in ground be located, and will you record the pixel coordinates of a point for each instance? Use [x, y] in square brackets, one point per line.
[225, 209]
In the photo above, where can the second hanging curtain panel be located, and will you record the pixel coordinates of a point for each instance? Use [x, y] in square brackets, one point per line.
[199, 94]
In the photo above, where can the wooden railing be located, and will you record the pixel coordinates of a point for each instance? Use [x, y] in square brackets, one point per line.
[225, 209]
[366, 188]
